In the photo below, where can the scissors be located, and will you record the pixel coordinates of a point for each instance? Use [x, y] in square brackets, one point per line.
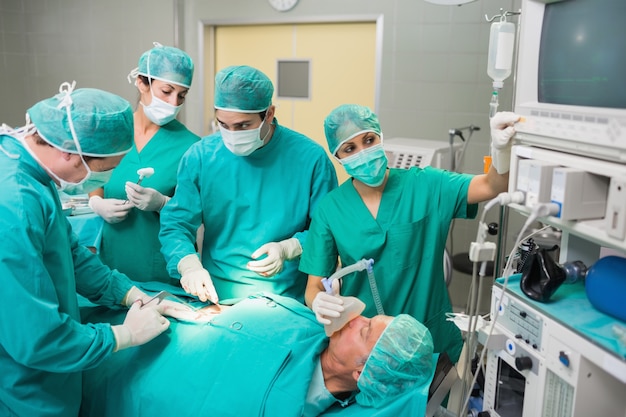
[165, 294]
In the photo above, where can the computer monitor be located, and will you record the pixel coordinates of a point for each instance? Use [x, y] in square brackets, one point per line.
[571, 76]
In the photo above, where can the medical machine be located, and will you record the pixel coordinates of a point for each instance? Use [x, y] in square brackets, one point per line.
[571, 73]
[407, 153]
[559, 359]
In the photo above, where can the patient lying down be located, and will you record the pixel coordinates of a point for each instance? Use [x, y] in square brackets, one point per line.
[266, 355]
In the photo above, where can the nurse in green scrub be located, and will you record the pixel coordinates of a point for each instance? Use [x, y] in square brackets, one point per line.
[130, 240]
[399, 218]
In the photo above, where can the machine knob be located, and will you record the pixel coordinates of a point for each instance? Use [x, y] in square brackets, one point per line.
[523, 363]
[484, 414]
[492, 229]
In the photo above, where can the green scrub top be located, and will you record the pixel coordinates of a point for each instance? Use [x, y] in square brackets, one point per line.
[406, 241]
[132, 246]
[43, 345]
[256, 358]
[245, 202]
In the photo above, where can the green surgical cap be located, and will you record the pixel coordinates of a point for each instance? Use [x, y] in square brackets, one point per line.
[347, 121]
[168, 64]
[103, 122]
[243, 89]
[402, 359]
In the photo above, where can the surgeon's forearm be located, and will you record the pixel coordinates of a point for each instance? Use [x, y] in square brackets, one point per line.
[313, 286]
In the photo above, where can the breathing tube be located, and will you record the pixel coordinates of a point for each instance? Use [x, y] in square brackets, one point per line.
[363, 264]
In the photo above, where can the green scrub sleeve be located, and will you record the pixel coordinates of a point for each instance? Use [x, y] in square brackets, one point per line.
[319, 253]
[182, 215]
[96, 281]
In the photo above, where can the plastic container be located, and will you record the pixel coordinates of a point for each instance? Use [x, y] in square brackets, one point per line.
[352, 306]
[500, 56]
[605, 284]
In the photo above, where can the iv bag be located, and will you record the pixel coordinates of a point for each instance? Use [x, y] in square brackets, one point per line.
[500, 57]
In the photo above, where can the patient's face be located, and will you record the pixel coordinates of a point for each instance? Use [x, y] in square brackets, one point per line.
[357, 338]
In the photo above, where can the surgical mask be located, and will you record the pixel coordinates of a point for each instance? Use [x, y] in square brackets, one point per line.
[243, 142]
[160, 112]
[91, 182]
[368, 166]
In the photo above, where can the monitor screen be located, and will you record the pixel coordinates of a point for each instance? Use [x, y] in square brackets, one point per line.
[582, 56]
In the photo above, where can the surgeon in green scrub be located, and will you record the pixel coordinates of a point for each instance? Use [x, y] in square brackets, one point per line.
[130, 238]
[253, 186]
[399, 218]
[70, 142]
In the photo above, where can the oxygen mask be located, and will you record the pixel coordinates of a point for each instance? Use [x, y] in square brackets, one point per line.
[352, 306]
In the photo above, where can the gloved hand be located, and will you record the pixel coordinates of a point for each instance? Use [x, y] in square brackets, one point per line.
[146, 199]
[502, 131]
[169, 308]
[140, 326]
[326, 305]
[195, 279]
[111, 210]
[277, 254]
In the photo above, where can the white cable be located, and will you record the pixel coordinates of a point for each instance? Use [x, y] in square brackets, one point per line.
[504, 285]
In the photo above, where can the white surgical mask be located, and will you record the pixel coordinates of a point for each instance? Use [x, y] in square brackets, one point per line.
[160, 112]
[243, 142]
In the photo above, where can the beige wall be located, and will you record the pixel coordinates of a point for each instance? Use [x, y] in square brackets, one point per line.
[431, 69]
[342, 74]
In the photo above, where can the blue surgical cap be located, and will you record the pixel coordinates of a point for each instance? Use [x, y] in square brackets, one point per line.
[103, 122]
[242, 89]
[346, 122]
[168, 64]
[402, 359]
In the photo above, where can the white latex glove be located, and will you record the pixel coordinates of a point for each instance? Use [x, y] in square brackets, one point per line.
[146, 199]
[195, 279]
[111, 210]
[502, 131]
[326, 305]
[140, 326]
[277, 254]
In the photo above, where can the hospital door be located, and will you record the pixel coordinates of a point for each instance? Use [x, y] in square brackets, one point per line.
[341, 62]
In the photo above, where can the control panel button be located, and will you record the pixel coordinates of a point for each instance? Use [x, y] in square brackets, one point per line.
[523, 363]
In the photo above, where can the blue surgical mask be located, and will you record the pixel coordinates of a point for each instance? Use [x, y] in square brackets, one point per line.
[91, 182]
[368, 166]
